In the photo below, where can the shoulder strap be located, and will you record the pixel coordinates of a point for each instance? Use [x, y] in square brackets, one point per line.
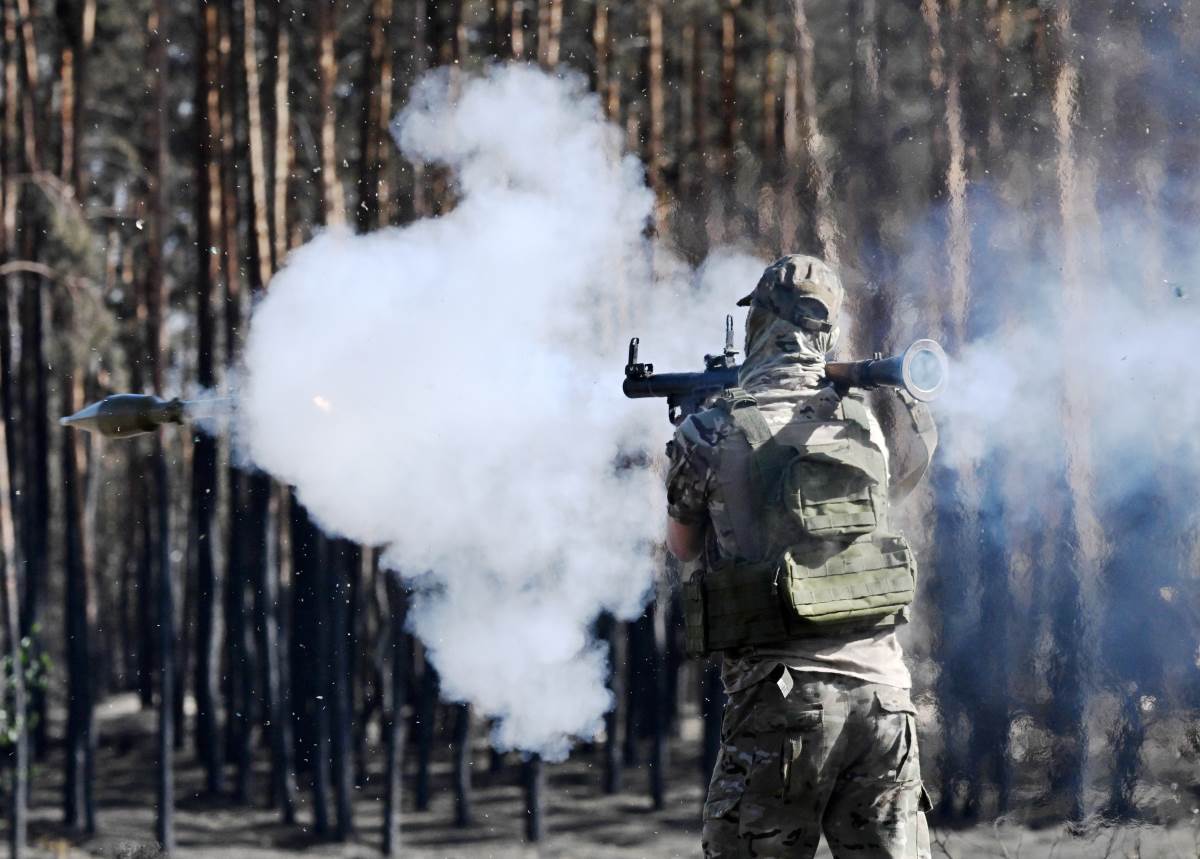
[742, 501]
[743, 410]
[767, 455]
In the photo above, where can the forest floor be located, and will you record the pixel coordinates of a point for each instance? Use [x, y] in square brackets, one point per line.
[580, 822]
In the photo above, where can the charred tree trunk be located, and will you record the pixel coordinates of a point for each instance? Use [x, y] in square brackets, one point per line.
[270, 636]
[15, 690]
[712, 709]
[376, 113]
[634, 682]
[535, 784]
[18, 794]
[239, 676]
[609, 630]
[11, 165]
[238, 703]
[462, 765]
[656, 698]
[500, 29]
[36, 489]
[322, 561]
[204, 451]
[427, 697]
[396, 725]
[155, 300]
[79, 812]
[345, 562]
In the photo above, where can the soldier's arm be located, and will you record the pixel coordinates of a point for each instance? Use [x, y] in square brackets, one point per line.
[685, 541]
[688, 479]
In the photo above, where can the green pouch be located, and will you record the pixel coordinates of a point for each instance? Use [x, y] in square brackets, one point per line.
[693, 616]
[737, 606]
[869, 580]
[832, 500]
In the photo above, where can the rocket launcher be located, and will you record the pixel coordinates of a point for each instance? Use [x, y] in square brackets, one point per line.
[921, 370]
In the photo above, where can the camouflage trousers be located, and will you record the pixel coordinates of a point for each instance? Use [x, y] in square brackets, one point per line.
[806, 753]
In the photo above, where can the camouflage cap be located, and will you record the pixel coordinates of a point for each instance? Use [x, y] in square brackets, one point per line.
[792, 278]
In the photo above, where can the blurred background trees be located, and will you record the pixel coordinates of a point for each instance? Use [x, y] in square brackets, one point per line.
[160, 157]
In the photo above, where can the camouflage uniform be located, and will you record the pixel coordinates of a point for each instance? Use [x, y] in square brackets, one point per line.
[819, 734]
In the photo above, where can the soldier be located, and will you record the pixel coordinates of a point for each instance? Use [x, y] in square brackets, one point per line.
[783, 485]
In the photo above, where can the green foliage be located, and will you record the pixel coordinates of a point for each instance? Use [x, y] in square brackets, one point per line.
[35, 666]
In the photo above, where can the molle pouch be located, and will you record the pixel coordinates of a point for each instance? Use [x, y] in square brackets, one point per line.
[734, 606]
[694, 638]
[864, 585]
[832, 477]
[832, 500]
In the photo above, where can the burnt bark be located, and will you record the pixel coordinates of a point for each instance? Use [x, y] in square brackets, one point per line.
[396, 727]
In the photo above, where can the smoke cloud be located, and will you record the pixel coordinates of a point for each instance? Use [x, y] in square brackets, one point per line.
[1121, 350]
[450, 390]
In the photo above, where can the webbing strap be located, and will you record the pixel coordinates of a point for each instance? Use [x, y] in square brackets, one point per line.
[767, 456]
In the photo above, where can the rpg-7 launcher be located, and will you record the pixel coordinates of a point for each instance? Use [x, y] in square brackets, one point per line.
[920, 370]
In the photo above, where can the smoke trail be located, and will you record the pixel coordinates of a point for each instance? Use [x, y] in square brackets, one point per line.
[451, 390]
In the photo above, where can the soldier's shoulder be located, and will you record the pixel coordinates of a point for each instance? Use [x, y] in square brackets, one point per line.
[705, 428]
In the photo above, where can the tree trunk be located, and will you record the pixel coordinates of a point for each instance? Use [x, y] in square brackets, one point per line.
[18, 794]
[535, 784]
[204, 453]
[376, 113]
[267, 596]
[656, 156]
[461, 743]
[634, 682]
[712, 709]
[283, 134]
[78, 805]
[550, 19]
[36, 489]
[333, 206]
[396, 725]
[160, 536]
[321, 572]
[12, 166]
[656, 698]
[817, 149]
[1086, 531]
[601, 47]
[18, 763]
[609, 630]
[260, 244]
[426, 709]
[344, 561]
[500, 29]
[517, 28]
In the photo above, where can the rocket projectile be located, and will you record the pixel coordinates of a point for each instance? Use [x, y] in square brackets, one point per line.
[125, 415]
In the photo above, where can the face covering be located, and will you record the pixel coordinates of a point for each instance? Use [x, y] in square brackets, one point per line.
[781, 355]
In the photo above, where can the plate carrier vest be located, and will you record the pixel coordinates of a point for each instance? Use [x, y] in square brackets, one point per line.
[807, 507]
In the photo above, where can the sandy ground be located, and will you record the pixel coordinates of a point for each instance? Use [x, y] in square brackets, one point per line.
[580, 821]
